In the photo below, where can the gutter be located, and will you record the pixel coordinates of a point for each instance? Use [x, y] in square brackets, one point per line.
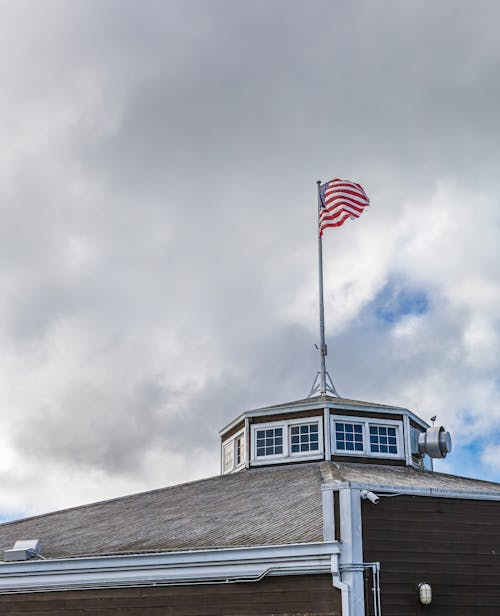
[395, 490]
[227, 565]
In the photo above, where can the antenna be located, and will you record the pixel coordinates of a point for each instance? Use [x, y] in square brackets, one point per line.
[322, 381]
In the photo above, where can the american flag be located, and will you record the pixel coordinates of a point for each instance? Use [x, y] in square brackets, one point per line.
[340, 200]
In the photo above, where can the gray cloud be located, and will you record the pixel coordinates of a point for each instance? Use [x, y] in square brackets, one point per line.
[157, 246]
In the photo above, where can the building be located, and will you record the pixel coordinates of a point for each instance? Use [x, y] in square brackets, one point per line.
[324, 506]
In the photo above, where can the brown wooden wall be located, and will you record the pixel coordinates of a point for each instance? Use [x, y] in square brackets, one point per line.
[453, 544]
[311, 595]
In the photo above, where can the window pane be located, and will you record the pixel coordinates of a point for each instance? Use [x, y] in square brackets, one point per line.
[228, 457]
[305, 437]
[239, 451]
[269, 442]
[383, 439]
[348, 436]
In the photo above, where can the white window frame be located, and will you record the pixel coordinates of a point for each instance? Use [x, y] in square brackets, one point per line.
[228, 446]
[287, 455]
[366, 422]
[231, 442]
[269, 426]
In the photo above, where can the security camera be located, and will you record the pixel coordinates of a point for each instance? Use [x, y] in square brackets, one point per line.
[373, 498]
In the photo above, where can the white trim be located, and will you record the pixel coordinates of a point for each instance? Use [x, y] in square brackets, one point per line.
[417, 491]
[326, 434]
[168, 568]
[327, 500]
[407, 440]
[289, 460]
[351, 537]
[287, 455]
[247, 442]
[319, 406]
[269, 426]
[366, 422]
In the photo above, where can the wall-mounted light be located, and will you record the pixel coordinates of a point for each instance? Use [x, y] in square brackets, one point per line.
[424, 593]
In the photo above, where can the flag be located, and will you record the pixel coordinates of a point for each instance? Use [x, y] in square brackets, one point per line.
[340, 200]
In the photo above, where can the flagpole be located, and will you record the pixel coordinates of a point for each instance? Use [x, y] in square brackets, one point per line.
[322, 382]
[322, 345]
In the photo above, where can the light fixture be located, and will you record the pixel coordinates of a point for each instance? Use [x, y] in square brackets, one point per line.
[424, 593]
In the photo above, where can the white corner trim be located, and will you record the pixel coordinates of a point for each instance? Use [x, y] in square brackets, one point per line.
[247, 442]
[352, 548]
[326, 435]
[407, 439]
[167, 568]
[327, 497]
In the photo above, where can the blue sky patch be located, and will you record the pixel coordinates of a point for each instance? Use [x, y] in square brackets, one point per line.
[394, 302]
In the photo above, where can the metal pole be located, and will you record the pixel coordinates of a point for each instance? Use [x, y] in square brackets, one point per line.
[322, 345]
[322, 382]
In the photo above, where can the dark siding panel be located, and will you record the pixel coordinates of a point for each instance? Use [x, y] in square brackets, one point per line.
[454, 544]
[368, 414]
[239, 426]
[362, 460]
[311, 595]
[318, 413]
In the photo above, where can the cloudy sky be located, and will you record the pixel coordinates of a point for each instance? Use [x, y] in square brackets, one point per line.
[158, 251]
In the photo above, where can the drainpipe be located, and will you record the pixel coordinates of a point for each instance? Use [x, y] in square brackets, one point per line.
[328, 494]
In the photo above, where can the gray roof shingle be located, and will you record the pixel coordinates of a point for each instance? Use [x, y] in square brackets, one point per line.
[263, 506]
[266, 506]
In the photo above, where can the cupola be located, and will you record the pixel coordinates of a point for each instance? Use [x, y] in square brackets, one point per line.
[331, 428]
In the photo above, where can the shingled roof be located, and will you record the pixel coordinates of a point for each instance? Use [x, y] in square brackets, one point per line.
[266, 506]
[263, 506]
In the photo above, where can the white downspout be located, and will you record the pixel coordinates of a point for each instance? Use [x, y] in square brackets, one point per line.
[328, 495]
[344, 588]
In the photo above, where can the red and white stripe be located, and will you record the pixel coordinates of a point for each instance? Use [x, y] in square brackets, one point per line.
[342, 199]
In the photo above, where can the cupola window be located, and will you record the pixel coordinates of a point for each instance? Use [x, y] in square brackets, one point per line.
[304, 438]
[383, 439]
[233, 453]
[377, 438]
[269, 442]
[288, 440]
[348, 436]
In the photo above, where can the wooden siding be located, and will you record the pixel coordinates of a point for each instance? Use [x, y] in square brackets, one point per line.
[365, 460]
[237, 428]
[366, 414]
[316, 413]
[453, 544]
[311, 595]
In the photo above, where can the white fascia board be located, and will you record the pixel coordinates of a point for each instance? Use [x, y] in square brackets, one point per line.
[232, 424]
[167, 568]
[292, 459]
[379, 409]
[323, 404]
[273, 411]
[416, 491]
[278, 411]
